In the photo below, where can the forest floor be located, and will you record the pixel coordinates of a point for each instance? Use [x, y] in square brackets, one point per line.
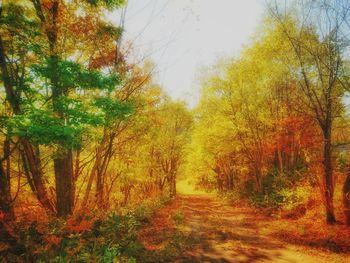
[198, 228]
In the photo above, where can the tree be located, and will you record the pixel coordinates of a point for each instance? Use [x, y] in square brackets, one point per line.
[251, 123]
[15, 50]
[317, 36]
[47, 90]
[170, 135]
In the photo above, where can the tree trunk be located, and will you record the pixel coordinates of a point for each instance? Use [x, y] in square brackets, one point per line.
[5, 195]
[101, 198]
[160, 183]
[76, 173]
[258, 180]
[126, 191]
[32, 167]
[5, 183]
[31, 160]
[97, 163]
[328, 177]
[100, 189]
[89, 186]
[231, 183]
[173, 185]
[219, 182]
[346, 198]
[280, 160]
[101, 193]
[293, 155]
[63, 166]
[63, 162]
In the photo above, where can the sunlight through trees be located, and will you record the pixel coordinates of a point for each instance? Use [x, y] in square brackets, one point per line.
[92, 148]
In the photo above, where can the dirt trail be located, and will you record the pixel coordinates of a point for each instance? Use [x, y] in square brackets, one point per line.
[218, 232]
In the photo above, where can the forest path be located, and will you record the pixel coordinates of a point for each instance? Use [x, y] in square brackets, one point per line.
[210, 230]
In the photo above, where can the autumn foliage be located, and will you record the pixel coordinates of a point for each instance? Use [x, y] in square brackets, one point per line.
[92, 147]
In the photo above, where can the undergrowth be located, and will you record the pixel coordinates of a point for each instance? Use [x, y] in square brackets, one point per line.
[84, 238]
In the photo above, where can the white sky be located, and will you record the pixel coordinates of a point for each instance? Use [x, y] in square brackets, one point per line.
[181, 36]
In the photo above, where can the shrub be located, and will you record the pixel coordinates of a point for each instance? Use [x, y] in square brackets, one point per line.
[111, 238]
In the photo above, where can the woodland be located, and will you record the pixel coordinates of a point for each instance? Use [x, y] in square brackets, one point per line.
[99, 164]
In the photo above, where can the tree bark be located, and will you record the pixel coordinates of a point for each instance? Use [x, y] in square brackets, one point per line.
[172, 182]
[5, 183]
[258, 180]
[346, 198]
[231, 183]
[328, 176]
[100, 189]
[88, 187]
[32, 164]
[5, 195]
[63, 167]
